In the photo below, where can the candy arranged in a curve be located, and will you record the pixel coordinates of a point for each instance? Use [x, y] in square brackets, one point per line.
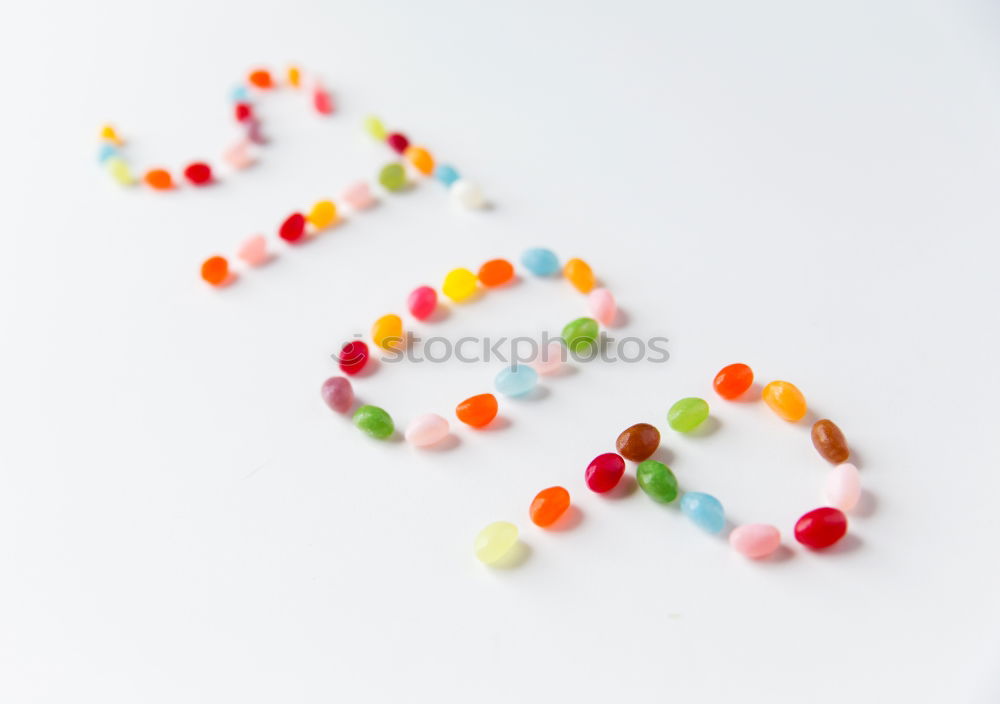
[374, 421]
[495, 541]
[687, 414]
[638, 442]
[704, 510]
[548, 506]
[426, 430]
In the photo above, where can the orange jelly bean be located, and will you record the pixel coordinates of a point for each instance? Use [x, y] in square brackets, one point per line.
[294, 76]
[496, 272]
[549, 506]
[786, 400]
[477, 411]
[159, 179]
[261, 78]
[215, 270]
[580, 275]
[733, 380]
[421, 159]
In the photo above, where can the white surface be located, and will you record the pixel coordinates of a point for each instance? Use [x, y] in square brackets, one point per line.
[810, 188]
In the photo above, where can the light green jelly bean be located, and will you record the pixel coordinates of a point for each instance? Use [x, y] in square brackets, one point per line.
[656, 479]
[393, 177]
[119, 171]
[374, 127]
[687, 414]
[581, 334]
[374, 421]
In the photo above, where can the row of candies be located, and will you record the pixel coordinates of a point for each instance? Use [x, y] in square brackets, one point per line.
[817, 529]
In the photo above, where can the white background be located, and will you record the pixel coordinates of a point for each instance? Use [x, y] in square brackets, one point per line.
[806, 187]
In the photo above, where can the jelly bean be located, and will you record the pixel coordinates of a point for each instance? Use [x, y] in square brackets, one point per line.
[446, 174]
[550, 359]
[637, 442]
[215, 270]
[239, 94]
[375, 128]
[477, 411]
[687, 414]
[397, 142]
[387, 332]
[254, 251]
[460, 285]
[426, 430]
[338, 394]
[785, 400]
[106, 151]
[374, 421]
[540, 261]
[755, 541]
[422, 302]
[467, 194]
[353, 357]
[109, 133]
[548, 506]
[238, 155]
[821, 527]
[293, 228]
[656, 479]
[704, 510]
[496, 272]
[733, 380]
[322, 101]
[243, 112]
[260, 79]
[495, 541]
[159, 179]
[254, 132]
[516, 380]
[829, 441]
[198, 173]
[392, 177]
[421, 159]
[602, 306]
[323, 214]
[294, 75]
[358, 196]
[843, 487]
[580, 275]
[604, 472]
[581, 335]
[120, 171]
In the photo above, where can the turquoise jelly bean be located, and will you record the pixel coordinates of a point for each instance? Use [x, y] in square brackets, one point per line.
[540, 261]
[446, 174]
[704, 510]
[106, 152]
[240, 94]
[516, 380]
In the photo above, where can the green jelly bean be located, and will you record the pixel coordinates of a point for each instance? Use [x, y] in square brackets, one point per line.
[393, 177]
[581, 334]
[374, 421]
[687, 414]
[656, 479]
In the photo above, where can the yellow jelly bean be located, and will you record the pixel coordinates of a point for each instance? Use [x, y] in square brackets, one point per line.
[786, 400]
[375, 128]
[495, 541]
[460, 285]
[120, 171]
[579, 274]
[421, 159]
[387, 332]
[108, 133]
[323, 214]
[294, 76]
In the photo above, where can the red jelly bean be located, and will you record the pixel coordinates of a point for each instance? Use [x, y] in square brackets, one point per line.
[293, 228]
[422, 302]
[198, 173]
[733, 380]
[821, 527]
[604, 472]
[243, 112]
[353, 357]
[322, 101]
[398, 142]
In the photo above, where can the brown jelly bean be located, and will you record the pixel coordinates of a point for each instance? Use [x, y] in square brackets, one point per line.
[830, 441]
[638, 442]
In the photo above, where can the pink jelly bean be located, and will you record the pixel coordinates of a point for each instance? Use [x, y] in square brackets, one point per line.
[322, 101]
[550, 359]
[238, 156]
[254, 251]
[426, 430]
[755, 540]
[338, 394]
[358, 196]
[422, 302]
[602, 306]
[843, 486]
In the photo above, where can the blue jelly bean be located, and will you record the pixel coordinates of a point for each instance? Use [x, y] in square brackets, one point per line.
[540, 262]
[240, 94]
[704, 510]
[516, 380]
[446, 174]
[106, 152]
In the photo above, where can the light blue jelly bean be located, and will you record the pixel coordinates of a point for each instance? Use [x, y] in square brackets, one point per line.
[106, 152]
[516, 380]
[540, 262]
[240, 94]
[446, 174]
[705, 510]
